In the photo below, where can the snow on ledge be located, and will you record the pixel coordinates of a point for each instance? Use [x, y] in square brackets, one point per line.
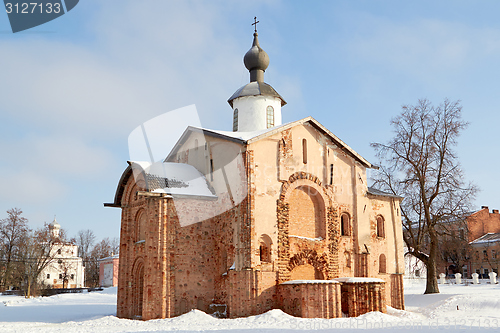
[358, 279]
[302, 237]
[311, 282]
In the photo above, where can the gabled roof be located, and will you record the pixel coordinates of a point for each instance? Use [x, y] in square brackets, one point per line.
[487, 238]
[250, 137]
[374, 191]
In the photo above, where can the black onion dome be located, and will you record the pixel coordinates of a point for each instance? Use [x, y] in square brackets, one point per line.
[256, 57]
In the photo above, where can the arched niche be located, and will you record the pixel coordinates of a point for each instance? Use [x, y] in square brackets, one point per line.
[306, 213]
[140, 225]
[265, 244]
[137, 287]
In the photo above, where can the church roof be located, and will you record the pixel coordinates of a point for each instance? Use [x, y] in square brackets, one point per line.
[249, 137]
[255, 88]
[174, 179]
[246, 138]
[374, 191]
[487, 238]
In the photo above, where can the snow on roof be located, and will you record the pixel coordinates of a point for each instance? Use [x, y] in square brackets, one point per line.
[242, 136]
[358, 279]
[257, 135]
[114, 256]
[310, 282]
[172, 178]
[488, 238]
[374, 191]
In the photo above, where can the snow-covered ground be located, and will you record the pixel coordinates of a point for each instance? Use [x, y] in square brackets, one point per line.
[457, 308]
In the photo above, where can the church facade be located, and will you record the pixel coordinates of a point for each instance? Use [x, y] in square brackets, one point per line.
[65, 268]
[286, 221]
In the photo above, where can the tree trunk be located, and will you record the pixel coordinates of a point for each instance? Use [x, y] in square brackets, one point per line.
[432, 285]
[28, 291]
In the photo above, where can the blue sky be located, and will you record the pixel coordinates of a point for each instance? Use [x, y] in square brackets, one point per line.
[73, 89]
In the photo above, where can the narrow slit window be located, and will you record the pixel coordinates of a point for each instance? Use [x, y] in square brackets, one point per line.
[344, 225]
[331, 174]
[211, 169]
[235, 120]
[270, 116]
[304, 151]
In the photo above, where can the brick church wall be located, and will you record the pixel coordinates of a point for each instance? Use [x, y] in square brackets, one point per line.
[311, 300]
[216, 263]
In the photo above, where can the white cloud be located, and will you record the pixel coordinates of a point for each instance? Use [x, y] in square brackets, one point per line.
[22, 187]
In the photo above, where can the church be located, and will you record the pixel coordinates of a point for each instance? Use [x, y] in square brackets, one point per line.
[65, 268]
[267, 216]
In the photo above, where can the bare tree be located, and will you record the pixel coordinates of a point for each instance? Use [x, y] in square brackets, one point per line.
[454, 250]
[12, 231]
[421, 166]
[39, 249]
[103, 249]
[85, 240]
[66, 269]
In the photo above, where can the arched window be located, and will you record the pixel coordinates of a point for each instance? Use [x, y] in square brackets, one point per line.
[235, 120]
[196, 144]
[270, 116]
[265, 248]
[347, 256]
[380, 227]
[304, 151]
[200, 304]
[345, 225]
[140, 228]
[382, 264]
[183, 306]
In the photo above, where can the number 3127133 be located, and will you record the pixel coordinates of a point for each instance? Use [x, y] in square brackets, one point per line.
[33, 7]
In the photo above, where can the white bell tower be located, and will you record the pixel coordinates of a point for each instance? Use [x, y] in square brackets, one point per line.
[256, 106]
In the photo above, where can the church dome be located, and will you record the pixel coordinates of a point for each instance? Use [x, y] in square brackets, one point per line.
[256, 58]
[255, 88]
[54, 225]
[256, 106]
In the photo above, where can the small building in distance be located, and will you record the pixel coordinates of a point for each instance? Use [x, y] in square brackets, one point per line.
[483, 222]
[108, 271]
[65, 269]
[414, 267]
[462, 241]
[485, 256]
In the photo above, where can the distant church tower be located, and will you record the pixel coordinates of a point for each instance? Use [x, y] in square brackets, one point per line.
[256, 106]
[55, 228]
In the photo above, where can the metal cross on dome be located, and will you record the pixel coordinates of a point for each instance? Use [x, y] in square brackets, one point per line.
[255, 23]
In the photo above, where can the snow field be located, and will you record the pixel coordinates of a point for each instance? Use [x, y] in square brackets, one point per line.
[478, 310]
